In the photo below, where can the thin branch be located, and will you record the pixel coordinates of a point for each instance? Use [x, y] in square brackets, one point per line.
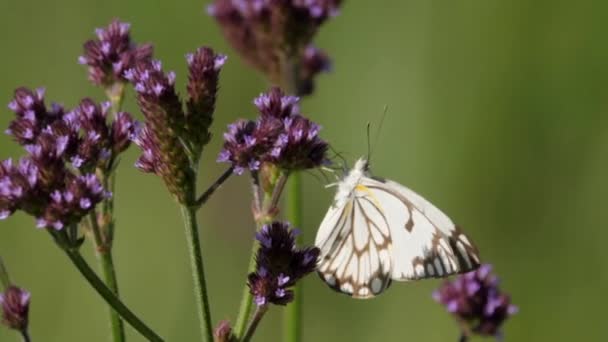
[216, 185]
[255, 321]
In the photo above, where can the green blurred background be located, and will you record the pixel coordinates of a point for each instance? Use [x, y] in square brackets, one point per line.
[497, 113]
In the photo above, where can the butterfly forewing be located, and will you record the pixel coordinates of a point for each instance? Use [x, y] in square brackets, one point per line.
[378, 230]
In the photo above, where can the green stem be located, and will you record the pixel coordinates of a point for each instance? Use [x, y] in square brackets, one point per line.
[25, 336]
[103, 252]
[292, 316]
[255, 321]
[246, 302]
[198, 271]
[110, 297]
[5, 281]
[109, 275]
[265, 209]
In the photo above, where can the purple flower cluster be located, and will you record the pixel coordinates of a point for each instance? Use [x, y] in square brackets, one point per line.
[204, 67]
[314, 61]
[280, 136]
[15, 308]
[272, 36]
[112, 53]
[476, 300]
[279, 264]
[171, 137]
[31, 115]
[54, 182]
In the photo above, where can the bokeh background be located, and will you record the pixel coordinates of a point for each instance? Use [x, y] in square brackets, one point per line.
[497, 113]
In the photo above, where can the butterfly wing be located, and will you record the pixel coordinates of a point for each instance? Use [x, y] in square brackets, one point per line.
[355, 244]
[426, 243]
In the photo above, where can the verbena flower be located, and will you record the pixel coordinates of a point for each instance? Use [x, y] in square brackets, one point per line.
[54, 182]
[112, 53]
[15, 308]
[272, 36]
[68, 205]
[280, 136]
[100, 141]
[31, 115]
[204, 67]
[314, 61]
[171, 139]
[164, 126]
[279, 264]
[476, 300]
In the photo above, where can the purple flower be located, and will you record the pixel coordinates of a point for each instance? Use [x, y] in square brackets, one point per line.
[268, 33]
[165, 138]
[204, 67]
[246, 143]
[32, 116]
[122, 131]
[314, 61]
[276, 104]
[279, 264]
[17, 185]
[15, 307]
[280, 136]
[71, 203]
[112, 53]
[475, 299]
[300, 147]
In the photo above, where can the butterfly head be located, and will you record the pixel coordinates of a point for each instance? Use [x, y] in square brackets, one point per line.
[362, 165]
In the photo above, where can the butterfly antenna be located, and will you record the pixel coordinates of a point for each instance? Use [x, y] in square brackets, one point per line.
[339, 155]
[370, 147]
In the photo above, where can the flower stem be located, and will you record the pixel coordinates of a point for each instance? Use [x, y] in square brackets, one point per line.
[463, 338]
[246, 302]
[255, 321]
[292, 317]
[198, 271]
[103, 252]
[25, 336]
[264, 212]
[207, 194]
[110, 297]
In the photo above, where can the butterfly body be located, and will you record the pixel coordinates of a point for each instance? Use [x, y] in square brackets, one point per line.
[377, 231]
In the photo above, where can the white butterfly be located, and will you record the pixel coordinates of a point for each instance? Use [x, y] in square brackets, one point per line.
[378, 230]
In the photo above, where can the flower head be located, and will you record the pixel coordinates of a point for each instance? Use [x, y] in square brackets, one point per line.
[279, 264]
[163, 138]
[112, 53]
[32, 116]
[15, 307]
[314, 62]
[272, 35]
[204, 67]
[71, 203]
[280, 136]
[18, 185]
[475, 299]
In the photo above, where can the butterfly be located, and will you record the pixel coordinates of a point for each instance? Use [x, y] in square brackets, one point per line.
[378, 230]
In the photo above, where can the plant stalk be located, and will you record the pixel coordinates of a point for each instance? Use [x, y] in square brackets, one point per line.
[103, 252]
[255, 321]
[110, 297]
[267, 205]
[198, 271]
[292, 316]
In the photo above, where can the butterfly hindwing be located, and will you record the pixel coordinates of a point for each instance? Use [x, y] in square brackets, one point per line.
[426, 243]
